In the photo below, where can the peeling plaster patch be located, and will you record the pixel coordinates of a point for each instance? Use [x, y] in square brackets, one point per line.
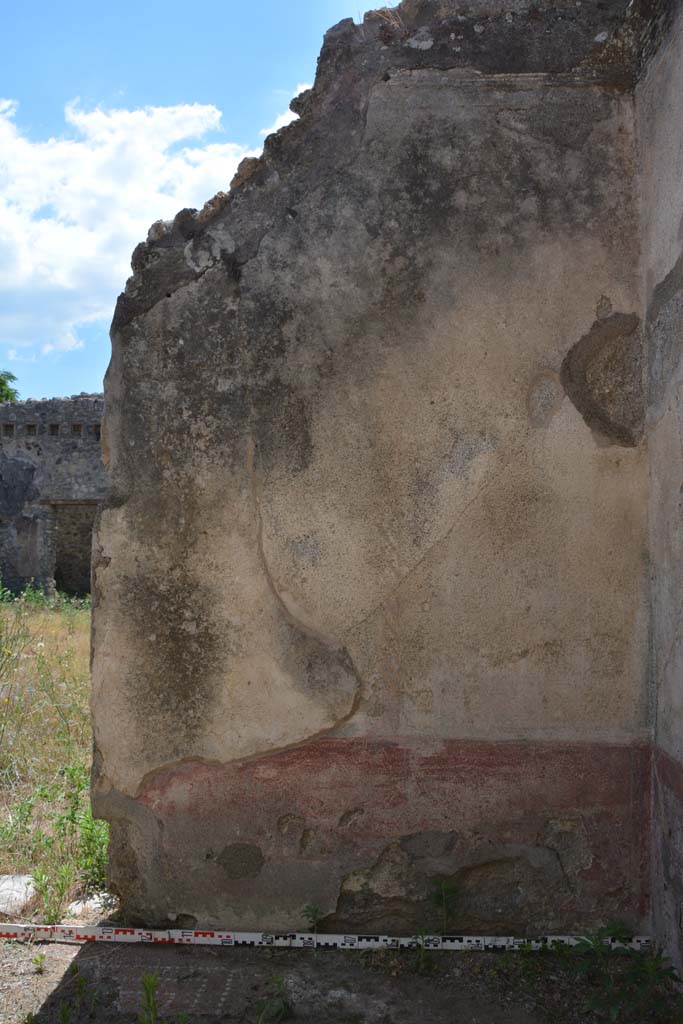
[602, 375]
[569, 839]
[349, 817]
[603, 308]
[197, 259]
[422, 40]
[290, 823]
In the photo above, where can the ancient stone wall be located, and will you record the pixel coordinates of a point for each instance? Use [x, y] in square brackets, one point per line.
[372, 594]
[51, 479]
[660, 128]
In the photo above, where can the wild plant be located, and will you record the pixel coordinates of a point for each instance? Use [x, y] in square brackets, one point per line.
[64, 1013]
[424, 962]
[38, 962]
[444, 897]
[46, 823]
[54, 889]
[276, 1005]
[391, 16]
[313, 915]
[625, 985]
[150, 1011]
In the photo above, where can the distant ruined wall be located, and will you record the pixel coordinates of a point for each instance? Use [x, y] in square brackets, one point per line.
[51, 479]
[371, 589]
[660, 129]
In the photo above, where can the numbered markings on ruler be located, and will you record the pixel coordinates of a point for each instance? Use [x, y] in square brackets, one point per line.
[298, 940]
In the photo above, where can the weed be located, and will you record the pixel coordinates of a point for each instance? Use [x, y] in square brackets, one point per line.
[391, 16]
[53, 890]
[81, 990]
[444, 897]
[424, 962]
[313, 915]
[34, 596]
[38, 962]
[64, 1013]
[625, 985]
[46, 824]
[276, 1005]
[150, 1012]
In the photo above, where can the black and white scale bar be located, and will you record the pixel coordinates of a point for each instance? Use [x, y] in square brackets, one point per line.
[295, 940]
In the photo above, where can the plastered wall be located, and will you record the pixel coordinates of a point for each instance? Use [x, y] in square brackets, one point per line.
[660, 132]
[372, 586]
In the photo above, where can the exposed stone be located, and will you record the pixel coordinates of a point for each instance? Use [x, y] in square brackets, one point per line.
[51, 480]
[16, 891]
[603, 376]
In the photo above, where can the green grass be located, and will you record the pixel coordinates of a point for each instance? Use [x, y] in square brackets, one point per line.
[46, 826]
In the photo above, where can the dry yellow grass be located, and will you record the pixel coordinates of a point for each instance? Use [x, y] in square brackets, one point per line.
[45, 746]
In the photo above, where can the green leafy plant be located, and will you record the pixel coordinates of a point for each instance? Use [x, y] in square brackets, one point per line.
[7, 392]
[81, 990]
[444, 897]
[313, 915]
[624, 985]
[150, 1012]
[38, 962]
[53, 890]
[424, 962]
[276, 1005]
[64, 1013]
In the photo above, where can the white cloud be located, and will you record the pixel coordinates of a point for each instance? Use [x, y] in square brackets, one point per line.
[72, 210]
[288, 116]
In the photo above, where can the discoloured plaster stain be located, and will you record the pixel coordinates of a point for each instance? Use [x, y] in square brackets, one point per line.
[241, 860]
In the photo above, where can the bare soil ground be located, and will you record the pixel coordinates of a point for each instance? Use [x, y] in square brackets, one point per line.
[206, 985]
[200, 985]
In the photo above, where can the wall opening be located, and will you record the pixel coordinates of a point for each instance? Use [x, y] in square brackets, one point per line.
[74, 525]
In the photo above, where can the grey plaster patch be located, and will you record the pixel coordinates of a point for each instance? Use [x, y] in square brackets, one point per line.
[665, 337]
[465, 449]
[422, 40]
[544, 398]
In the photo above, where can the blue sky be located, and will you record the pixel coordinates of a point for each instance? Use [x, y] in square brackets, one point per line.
[112, 116]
